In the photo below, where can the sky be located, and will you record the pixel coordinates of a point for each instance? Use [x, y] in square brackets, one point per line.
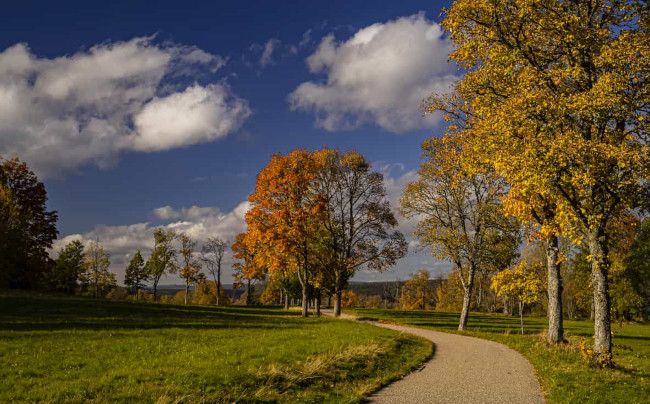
[144, 114]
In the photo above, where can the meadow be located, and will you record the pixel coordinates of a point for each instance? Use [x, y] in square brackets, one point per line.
[564, 376]
[65, 349]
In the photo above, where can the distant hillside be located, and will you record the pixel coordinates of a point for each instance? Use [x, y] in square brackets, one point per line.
[388, 290]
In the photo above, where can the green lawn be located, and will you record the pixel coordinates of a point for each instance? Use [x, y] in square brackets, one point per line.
[560, 369]
[58, 349]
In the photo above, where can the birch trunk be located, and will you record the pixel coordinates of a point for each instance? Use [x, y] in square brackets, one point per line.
[555, 323]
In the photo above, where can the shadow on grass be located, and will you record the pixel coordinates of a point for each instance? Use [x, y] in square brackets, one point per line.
[41, 313]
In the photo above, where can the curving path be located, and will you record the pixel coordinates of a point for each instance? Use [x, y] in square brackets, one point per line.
[463, 370]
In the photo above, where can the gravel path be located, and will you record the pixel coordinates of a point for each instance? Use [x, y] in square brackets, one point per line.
[463, 370]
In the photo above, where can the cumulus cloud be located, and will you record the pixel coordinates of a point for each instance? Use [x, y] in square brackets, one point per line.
[60, 113]
[379, 76]
[197, 222]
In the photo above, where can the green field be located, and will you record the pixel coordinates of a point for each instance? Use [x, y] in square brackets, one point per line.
[560, 369]
[58, 349]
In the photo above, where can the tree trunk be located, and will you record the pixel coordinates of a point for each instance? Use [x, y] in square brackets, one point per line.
[337, 302]
[592, 313]
[600, 268]
[305, 300]
[555, 333]
[506, 309]
[248, 294]
[521, 316]
[317, 304]
[155, 290]
[462, 325]
[218, 286]
[329, 300]
[286, 300]
[187, 290]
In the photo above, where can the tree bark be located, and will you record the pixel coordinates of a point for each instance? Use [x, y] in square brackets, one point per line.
[555, 333]
[187, 289]
[248, 294]
[506, 309]
[286, 300]
[317, 304]
[521, 316]
[337, 302]
[462, 325]
[602, 305]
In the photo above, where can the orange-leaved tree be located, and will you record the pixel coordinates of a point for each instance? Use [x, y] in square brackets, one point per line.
[248, 269]
[285, 217]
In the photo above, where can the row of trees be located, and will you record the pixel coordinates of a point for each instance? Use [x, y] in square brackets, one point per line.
[317, 217]
[548, 125]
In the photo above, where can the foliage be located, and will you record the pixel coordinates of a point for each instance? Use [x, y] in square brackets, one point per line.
[163, 256]
[449, 295]
[555, 100]
[96, 280]
[349, 299]
[638, 263]
[459, 212]
[417, 293]
[191, 266]
[205, 293]
[522, 283]
[67, 269]
[27, 228]
[136, 274]
[360, 226]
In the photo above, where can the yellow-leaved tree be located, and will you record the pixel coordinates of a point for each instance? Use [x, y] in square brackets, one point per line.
[459, 213]
[555, 97]
[521, 283]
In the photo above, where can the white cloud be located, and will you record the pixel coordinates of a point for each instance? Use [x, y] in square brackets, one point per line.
[379, 76]
[197, 115]
[60, 113]
[197, 222]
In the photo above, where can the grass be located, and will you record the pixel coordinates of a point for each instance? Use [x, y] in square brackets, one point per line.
[62, 349]
[564, 376]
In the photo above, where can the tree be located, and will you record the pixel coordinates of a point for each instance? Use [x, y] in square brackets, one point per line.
[418, 293]
[249, 270]
[27, 228]
[555, 99]
[521, 283]
[96, 275]
[69, 265]
[459, 211]
[450, 294]
[359, 222]
[163, 257]
[191, 266]
[212, 255]
[136, 274]
[286, 217]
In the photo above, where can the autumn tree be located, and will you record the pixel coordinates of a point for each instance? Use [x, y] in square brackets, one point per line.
[212, 255]
[247, 269]
[285, 217]
[163, 257]
[556, 95]
[136, 274]
[27, 228]
[361, 228]
[521, 283]
[190, 266]
[96, 275]
[418, 293]
[459, 212]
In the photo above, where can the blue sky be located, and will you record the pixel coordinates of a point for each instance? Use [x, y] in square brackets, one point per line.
[139, 114]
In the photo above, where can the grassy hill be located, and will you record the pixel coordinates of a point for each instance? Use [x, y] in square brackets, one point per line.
[63, 349]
